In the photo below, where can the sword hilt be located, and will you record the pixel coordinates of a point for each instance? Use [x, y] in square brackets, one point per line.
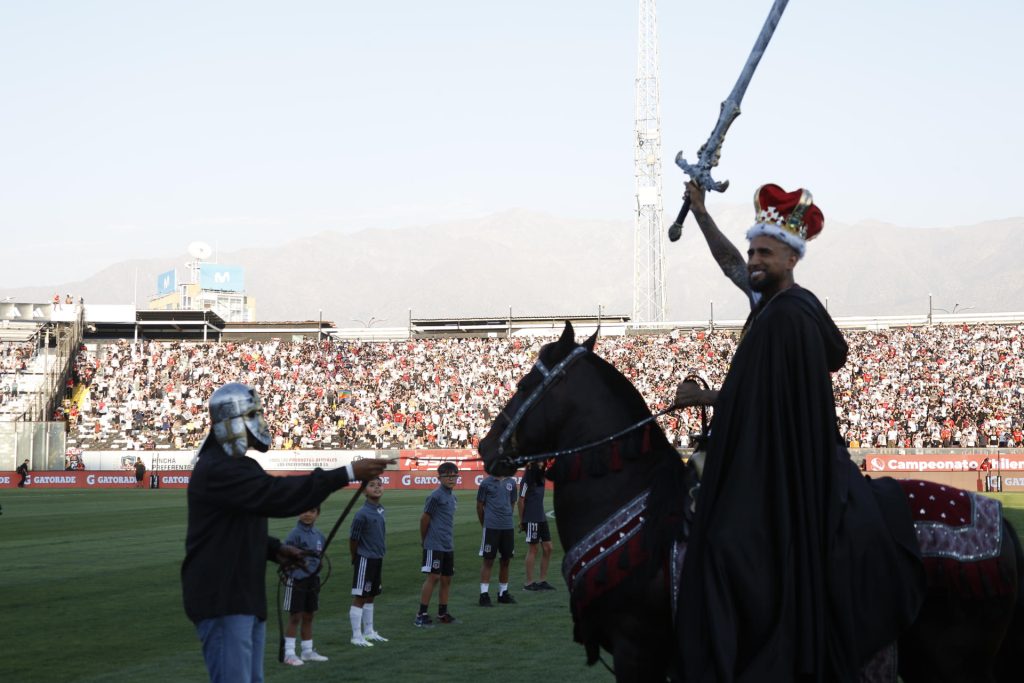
[700, 174]
[676, 230]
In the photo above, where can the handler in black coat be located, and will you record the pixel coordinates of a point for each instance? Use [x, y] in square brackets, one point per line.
[227, 546]
[798, 568]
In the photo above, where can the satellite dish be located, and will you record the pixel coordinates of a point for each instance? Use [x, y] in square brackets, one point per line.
[199, 250]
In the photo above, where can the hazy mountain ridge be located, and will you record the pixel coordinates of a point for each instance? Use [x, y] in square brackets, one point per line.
[539, 264]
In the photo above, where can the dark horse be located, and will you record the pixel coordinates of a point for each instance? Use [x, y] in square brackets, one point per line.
[621, 500]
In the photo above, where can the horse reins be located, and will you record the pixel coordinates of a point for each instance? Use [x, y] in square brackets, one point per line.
[521, 460]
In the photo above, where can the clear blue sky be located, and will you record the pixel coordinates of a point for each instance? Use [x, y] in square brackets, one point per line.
[130, 129]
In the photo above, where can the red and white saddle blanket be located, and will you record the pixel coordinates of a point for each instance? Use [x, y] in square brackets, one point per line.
[960, 535]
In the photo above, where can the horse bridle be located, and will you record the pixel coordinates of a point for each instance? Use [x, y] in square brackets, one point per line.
[550, 377]
[508, 436]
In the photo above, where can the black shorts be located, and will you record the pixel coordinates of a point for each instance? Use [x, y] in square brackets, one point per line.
[496, 541]
[538, 532]
[302, 595]
[438, 562]
[366, 576]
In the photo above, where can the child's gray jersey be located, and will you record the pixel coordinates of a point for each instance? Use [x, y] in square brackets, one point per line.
[440, 506]
[369, 530]
[306, 538]
[499, 497]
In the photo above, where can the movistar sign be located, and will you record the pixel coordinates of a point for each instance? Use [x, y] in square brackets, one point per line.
[165, 282]
[221, 278]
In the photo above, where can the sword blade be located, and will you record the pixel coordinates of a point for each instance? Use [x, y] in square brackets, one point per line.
[701, 173]
[740, 89]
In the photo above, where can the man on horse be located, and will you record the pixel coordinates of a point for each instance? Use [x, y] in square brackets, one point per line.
[787, 532]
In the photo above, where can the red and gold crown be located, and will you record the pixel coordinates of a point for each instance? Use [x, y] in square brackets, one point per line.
[790, 217]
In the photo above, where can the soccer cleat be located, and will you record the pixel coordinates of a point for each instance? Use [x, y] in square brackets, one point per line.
[423, 621]
[544, 586]
[485, 600]
[314, 656]
[446, 619]
[506, 598]
[292, 660]
[373, 635]
[531, 587]
[360, 641]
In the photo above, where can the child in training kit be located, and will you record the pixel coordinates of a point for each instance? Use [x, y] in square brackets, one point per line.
[367, 546]
[302, 592]
[437, 533]
[494, 502]
[535, 524]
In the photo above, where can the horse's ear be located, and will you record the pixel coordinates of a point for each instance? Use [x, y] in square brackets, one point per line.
[591, 340]
[568, 335]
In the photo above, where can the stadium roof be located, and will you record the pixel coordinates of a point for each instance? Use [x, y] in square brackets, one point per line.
[174, 325]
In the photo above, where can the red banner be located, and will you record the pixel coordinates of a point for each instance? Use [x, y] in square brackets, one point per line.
[948, 462]
[427, 460]
[403, 479]
[78, 479]
[418, 479]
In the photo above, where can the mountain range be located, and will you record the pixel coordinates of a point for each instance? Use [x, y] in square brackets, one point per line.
[539, 264]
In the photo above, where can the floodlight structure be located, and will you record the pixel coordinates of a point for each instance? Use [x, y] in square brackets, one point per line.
[648, 233]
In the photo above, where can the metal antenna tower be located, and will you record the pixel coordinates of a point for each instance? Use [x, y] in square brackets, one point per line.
[648, 234]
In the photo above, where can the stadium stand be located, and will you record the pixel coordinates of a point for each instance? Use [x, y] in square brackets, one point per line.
[922, 386]
[21, 374]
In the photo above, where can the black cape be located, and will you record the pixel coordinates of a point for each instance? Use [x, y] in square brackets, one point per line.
[797, 567]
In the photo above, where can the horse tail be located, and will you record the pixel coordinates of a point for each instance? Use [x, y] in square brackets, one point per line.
[1007, 664]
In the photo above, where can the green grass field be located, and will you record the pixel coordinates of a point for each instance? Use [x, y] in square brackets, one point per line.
[89, 591]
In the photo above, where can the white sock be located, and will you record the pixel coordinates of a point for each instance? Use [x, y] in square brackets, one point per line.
[307, 646]
[355, 617]
[289, 646]
[484, 587]
[368, 618]
[502, 588]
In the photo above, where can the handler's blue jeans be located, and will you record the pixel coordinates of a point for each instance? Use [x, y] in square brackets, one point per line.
[233, 648]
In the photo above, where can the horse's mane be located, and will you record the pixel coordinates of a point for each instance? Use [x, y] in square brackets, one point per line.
[623, 388]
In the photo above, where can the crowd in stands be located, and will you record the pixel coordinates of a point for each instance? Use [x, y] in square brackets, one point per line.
[14, 361]
[947, 386]
[936, 386]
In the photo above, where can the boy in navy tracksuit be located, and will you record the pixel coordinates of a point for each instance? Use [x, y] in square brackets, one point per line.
[302, 594]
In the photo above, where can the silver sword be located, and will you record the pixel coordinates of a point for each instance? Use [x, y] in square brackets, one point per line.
[709, 154]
